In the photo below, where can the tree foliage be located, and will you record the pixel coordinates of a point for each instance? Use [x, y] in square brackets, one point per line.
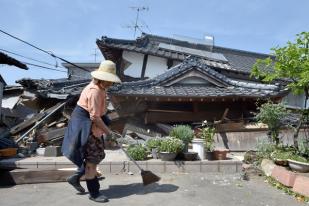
[290, 62]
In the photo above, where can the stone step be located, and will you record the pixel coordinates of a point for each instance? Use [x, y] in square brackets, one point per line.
[225, 166]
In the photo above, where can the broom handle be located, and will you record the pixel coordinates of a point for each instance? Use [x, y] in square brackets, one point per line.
[116, 133]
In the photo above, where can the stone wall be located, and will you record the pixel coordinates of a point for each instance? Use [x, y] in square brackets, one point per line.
[247, 140]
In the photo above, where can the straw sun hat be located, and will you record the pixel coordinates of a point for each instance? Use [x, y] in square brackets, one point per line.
[106, 72]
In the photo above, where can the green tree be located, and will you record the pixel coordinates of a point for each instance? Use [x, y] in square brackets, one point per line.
[290, 62]
[271, 114]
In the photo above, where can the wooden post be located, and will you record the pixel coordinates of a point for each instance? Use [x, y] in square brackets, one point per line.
[144, 66]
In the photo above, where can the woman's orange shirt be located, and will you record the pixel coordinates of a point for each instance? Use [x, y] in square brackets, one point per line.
[93, 99]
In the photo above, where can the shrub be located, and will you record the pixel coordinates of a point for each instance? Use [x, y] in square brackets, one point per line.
[288, 155]
[272, 114]
[171, 145]
[137, 152]
[299, 158]
[303, 146]
[283, 153]
[153, 143]
[182, 132]
[264, 148]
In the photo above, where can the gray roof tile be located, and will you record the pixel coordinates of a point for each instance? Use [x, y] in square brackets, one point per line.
[196, 92]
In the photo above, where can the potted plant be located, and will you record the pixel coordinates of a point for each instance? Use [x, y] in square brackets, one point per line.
[184, 133]
[207, 133]
[169, 148]
[137, 152]
[281, 156]
[300, 161]
[153, 146]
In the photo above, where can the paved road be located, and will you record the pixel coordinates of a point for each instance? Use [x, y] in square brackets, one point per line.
[174, 189]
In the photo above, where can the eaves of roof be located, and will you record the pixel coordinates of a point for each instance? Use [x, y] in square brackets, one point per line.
[196, 91]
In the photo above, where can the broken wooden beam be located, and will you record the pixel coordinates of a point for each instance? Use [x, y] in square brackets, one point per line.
[30, 176]
[58, 106]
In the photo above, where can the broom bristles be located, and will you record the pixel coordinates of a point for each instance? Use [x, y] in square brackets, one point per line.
[149, 177]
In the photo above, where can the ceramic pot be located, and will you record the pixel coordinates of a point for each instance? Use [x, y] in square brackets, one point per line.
[209, 155]
[190, 156]
[298, 166]
[198, 146]
[220, 154]
[166, 156]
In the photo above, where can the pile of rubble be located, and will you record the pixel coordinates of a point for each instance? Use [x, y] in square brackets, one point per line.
[33, 119]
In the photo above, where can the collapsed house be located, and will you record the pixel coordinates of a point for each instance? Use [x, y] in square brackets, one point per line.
[174, 81]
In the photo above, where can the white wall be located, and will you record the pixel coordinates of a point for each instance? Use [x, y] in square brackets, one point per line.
[295, 101]
[155, 66]
[136, 60]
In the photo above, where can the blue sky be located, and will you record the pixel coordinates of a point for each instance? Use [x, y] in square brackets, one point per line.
[69, 28]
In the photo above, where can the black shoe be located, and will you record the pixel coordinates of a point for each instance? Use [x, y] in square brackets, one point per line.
[75, 182]
[99, 198]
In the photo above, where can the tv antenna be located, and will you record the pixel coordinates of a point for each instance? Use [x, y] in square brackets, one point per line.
[95, 54]
[135, 25]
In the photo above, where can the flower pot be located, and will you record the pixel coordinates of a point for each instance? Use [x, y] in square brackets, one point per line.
[185, 148]
[166, 156]
[198, 146]
[155, 153]
[220, 154]
[298, 166]
[190, 156]
[280, 162]
[209, 155]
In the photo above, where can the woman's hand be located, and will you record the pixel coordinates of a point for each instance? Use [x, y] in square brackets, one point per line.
[99, 123]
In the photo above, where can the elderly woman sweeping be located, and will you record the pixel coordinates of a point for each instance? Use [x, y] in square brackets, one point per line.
[83, 142]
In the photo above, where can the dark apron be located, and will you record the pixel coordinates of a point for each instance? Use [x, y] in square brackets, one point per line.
[76, 136]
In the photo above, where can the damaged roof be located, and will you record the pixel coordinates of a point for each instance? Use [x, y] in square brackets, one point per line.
[5, 59]
[225, 58]
[166, 84]
[54, 88]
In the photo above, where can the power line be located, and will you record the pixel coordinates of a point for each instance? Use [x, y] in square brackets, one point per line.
[43, 62]
[47, 52]
[48, 68]
[44, 67]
